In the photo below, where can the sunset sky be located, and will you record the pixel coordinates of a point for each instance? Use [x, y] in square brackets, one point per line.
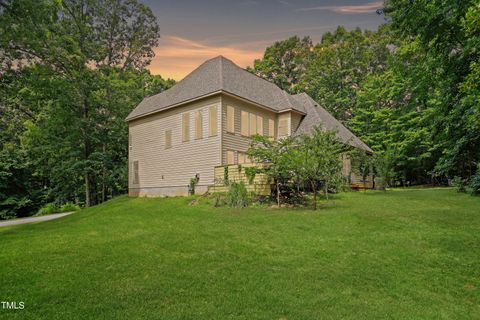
[193, 31]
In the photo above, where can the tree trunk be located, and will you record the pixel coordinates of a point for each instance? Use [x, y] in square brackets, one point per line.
[314, 188]
[88, 201]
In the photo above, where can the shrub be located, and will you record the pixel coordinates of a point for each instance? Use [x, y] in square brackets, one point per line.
[68, 207]
[237, 195]
[459, 184]
[49, 208]
[474, 183]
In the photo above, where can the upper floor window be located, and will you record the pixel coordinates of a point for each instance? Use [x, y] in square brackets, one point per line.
[212, 115]
[271, 128]
[251, 124]
[230, 119]
[244, 123]
[185, 127]
[282, 127]
[260, 125]
[198, 125]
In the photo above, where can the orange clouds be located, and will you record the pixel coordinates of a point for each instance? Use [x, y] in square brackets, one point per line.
[175, 57]
[363, 8]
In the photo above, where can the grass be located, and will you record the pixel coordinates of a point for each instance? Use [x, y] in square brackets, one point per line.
[404, 254]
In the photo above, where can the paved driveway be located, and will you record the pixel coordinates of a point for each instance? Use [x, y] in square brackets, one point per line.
[13, 222]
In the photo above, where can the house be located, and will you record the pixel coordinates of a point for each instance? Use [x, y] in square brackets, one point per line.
[205, 121]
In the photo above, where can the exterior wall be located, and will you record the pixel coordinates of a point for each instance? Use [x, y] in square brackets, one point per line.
[237, 142]
[168, 171]
[295, 120]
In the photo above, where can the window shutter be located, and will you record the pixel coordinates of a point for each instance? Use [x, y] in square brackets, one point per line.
[260, 125]
[282, 127]
[230, 119]
[271, 128]
[135, 172]
[252, 124]
[198, 125]
[244, 121]
[185, 127]
[213, 121]
[230, 157]
[168, 139]
[241, 157]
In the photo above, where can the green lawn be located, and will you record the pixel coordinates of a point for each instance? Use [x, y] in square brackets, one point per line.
[403, 254]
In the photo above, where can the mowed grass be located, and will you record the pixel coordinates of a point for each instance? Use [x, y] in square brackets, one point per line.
[404, 254]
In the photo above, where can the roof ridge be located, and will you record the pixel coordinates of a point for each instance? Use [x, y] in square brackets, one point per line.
[220, 69]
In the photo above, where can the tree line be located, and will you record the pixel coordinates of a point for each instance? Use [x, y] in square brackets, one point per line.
[70, 72]
[410, 90]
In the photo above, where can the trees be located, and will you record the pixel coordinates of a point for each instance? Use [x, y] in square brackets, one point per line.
[446, 36]
[285, 62]
[71, 72]
[320, 160]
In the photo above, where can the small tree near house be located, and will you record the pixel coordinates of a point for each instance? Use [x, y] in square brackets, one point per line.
[320, 160]
[275, 154]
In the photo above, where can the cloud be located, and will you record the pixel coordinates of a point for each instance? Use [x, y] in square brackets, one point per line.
[363, 8]
[175, 57]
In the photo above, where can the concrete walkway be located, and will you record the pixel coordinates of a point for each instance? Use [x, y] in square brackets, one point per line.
[13, 222]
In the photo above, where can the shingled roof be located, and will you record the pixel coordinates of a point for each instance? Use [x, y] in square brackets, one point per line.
[222, 75]
[316, 115]
[217, 75]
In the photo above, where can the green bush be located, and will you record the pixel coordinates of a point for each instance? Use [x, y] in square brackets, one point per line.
[459, 184]
[68, 207]
[237, 195]
[49, 208]
[474, 183]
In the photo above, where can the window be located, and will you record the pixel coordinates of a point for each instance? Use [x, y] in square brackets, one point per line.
[185, 127]
[244, 130]
[213, 121]
[243, 158]
[168, 139]
[260, 125]
[271, 128]
[282, 127]
[230, 157]
[230, 119]
[135, 172]
[130, 141]
[198, 125]
[251, 124]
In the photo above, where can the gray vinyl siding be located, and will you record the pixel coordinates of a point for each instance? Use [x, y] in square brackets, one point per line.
[160, 167]
[237, 142]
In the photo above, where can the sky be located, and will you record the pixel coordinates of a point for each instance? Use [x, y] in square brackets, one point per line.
[193, 31]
